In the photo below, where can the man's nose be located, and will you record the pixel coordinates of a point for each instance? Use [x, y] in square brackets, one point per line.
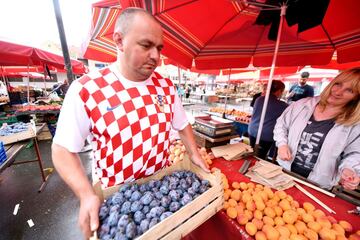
[155, 54]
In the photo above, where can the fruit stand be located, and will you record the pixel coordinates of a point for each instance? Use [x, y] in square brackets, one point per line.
[221, 226]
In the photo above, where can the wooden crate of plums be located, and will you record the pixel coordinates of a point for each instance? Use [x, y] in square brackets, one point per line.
[167, 205]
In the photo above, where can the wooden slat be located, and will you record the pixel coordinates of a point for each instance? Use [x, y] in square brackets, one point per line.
[11, 152]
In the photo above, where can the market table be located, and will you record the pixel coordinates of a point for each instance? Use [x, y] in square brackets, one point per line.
[12, 151]
[220, 226]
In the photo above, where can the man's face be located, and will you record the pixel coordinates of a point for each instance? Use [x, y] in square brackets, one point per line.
[302, 81]
[141, 47]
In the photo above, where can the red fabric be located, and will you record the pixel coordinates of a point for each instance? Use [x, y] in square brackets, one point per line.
[12, 54]
[220, 226]
[222, 34]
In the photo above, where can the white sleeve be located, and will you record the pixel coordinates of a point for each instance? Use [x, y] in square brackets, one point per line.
[73, 126]
[180, 120]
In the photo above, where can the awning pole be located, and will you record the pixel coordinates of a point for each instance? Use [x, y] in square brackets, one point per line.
[226, 95]
[263, 112]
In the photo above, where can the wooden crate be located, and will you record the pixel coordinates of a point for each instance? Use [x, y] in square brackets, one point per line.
[188, 217]
[16, 137]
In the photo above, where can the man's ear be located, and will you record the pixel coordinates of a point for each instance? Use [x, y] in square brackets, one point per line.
[118, 39]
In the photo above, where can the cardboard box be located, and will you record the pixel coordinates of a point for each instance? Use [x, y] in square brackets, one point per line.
[188, 217]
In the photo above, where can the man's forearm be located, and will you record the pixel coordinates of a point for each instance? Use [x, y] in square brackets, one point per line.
[69, 167]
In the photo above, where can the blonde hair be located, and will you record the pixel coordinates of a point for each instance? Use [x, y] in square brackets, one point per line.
[351, 111]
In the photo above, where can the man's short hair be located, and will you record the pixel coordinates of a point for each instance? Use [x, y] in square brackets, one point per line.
[305, 75]
[126, 17]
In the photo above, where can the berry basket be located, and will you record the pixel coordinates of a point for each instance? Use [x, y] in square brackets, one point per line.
[187, 218]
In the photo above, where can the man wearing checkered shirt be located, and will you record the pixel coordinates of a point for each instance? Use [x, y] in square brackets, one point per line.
[128, 110]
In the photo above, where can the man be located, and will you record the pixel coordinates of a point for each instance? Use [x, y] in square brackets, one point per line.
[262, 93]
[128, 110]
[302, 90]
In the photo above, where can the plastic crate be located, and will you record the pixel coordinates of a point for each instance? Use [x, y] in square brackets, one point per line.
[3, 156]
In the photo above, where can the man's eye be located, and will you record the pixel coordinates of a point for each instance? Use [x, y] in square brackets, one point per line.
[145, 45]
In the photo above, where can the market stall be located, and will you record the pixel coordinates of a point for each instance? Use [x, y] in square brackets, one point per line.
[221, 226]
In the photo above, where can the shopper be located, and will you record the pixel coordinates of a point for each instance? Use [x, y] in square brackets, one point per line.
[274, 109]
[301, 90]
[128, 110]
[319, 137]
[262, 93]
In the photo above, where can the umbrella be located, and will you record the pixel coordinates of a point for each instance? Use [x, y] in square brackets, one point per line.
[221, 34]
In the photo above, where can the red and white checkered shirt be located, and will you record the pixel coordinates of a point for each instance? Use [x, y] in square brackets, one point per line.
[129, 123]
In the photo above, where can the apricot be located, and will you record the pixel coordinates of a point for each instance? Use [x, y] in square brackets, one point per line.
[227, 191]
[260, 235]
[306, 217]
[243, 186]
[338, 229]
[285, 205]
[300, 211]
[226, 205]
[256, 196]
[268, 221]
[251, 228]
[236, 195]
[278, 211]
[290, 216]
[258, 214]
[246, 197]
[291, 228]
[239, 209]
[308, 207]
[232, 202]
[271, 233]
[297, 237]
[260, 205]
[300, 227]
[346, 226]
[268, 211]
[258, 223]
[249, 214]
[259, 186]
[324, 222]
[250, 205]
[231, 212]
[226, 196]
[354, 237]
[276, 198]
[264, 196]
[242, 219]
[271, 203]
[281, 194]
[331, 219]
[251, 185]
[311, 234]
[289, 198]
[279, 221]
[241, 204]
[315, 226]
[327, 234]
[340, 237]
[284, 231]
[295, 204]
[235, 185]
[318, 213]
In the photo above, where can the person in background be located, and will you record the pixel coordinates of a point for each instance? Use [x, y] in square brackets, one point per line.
[262, 93]
[301, 90]
[128, 110]
[274, 109]
[319, 137]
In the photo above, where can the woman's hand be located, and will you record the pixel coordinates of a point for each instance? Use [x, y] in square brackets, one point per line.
[349, 179]
[284, 153]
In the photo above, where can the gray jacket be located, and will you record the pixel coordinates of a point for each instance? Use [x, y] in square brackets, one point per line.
[341, 147]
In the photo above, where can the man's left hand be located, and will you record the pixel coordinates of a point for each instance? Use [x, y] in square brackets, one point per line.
[197, 159]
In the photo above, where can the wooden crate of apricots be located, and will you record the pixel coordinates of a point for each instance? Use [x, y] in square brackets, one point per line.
[276, 215]
[178, 151]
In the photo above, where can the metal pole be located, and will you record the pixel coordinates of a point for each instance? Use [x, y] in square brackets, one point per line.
[263, 112]
[226, 95]
[62, 36]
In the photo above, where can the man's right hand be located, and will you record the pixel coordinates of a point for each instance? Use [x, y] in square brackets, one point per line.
[89, 214]
[284, 153]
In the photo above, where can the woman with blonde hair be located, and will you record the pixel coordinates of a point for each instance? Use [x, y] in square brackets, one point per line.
[319, 137]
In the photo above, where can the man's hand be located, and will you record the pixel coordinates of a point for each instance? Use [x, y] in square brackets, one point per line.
[284, 153]
[349, 179]
[89, 214]
[197, 160]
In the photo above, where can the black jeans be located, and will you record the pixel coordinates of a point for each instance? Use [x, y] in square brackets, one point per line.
[263, 149]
